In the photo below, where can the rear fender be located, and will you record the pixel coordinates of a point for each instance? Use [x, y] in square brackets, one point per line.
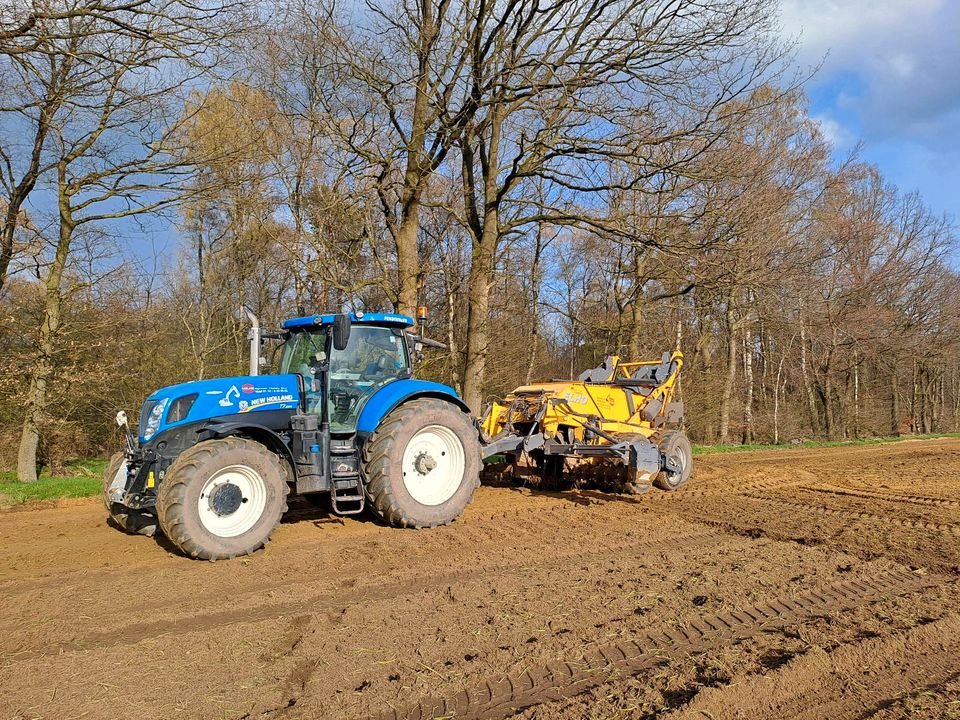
[391, 396]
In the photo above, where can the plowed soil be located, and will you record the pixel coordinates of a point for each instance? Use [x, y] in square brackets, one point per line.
[788, 584]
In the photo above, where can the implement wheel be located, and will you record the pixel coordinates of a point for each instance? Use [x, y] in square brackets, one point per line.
[422, 464]
[222, 498]
[676, 445]
[135, 522]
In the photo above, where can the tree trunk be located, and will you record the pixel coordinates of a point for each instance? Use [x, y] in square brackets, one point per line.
[478, 304]
[748, 381]
[727, 396]
[408, 260]
[418, 167]
[955, 389]
[827, 396]
[636, 307]
[856, 398]
[941, 407]
[894, 400]
[914, 400]
[807, 386]
[449, 290]
[485, 229]
[776, 402]
[30, 437]
[534, 301]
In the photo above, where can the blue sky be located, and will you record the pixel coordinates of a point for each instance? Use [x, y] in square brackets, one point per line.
[890, 79]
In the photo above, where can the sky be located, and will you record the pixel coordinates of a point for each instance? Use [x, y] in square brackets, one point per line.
[888, 78]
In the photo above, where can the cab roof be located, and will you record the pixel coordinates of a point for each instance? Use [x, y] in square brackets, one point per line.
[358, 318]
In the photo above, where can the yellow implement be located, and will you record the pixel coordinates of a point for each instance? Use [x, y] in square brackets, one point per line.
[621, 411]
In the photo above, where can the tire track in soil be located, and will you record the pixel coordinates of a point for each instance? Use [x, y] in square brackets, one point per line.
[505, 695]
[875, 495]
[330, 606]
[952, 528]
[855, 680]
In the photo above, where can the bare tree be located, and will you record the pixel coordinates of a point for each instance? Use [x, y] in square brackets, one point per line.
[110, 151]
[566, 90]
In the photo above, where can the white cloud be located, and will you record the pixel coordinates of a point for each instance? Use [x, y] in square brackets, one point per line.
[902, 65]
[896, 62]
[835, 133]
[844, 27]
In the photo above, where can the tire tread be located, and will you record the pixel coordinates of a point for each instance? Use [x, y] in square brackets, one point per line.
[172, 494]
[378, 468]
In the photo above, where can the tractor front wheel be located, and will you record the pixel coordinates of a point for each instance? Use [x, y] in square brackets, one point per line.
[222, 498]
[676, 445]
[422, 464]
[136, 522]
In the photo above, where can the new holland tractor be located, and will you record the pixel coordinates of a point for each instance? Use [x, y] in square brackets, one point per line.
[215, 460]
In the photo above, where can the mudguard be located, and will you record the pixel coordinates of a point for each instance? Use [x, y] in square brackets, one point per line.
[396, 393]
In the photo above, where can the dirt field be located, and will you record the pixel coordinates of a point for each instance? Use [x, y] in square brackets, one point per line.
[798, 583]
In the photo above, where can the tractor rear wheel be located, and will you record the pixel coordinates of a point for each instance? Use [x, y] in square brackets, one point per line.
[136, 522]
[676, 445]
[222, 498]
[422, 464]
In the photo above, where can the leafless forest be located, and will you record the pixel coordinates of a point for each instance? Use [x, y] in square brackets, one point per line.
[557, 182]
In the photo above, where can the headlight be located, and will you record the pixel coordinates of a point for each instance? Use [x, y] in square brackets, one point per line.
[153, 421]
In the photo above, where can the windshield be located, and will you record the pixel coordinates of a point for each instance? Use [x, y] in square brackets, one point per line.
[374, 356]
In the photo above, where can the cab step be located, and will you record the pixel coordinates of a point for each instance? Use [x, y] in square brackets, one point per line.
[346, 495]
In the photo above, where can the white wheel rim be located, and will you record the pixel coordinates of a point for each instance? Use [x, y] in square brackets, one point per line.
[253, 493]
[433, 464]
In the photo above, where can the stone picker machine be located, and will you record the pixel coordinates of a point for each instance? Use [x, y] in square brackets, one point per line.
[618, 421]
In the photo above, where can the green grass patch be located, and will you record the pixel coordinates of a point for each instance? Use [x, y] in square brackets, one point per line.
[81, 478]
[713, 449]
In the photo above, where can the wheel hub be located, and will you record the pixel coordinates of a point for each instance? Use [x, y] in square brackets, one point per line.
[226, 499]
[424, 463]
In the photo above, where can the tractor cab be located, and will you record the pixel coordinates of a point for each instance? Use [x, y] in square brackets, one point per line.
[375, 352]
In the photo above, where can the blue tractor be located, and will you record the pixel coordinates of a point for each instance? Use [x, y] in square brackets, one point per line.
[216, 460]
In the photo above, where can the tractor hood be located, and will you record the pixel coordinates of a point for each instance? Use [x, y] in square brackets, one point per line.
[206, 399]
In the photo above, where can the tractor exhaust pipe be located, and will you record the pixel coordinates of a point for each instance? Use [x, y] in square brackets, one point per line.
[253, 335]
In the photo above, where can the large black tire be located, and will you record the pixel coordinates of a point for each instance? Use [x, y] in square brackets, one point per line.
[675, 444]
[391, 494]
[135, 522]
[188, 516]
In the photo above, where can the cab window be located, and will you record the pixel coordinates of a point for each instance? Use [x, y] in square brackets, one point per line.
[374, 356]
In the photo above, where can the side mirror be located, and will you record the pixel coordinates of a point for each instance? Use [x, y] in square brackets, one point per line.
[341, 331]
